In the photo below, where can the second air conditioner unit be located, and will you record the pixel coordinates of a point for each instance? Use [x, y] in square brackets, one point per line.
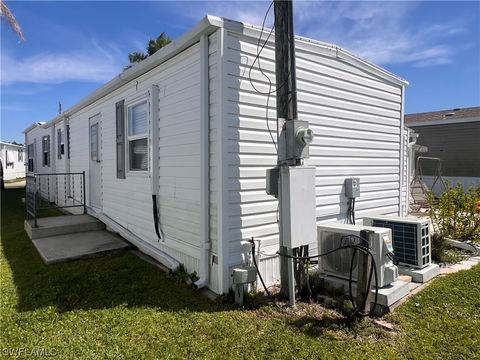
[411, 238]
[333, 235]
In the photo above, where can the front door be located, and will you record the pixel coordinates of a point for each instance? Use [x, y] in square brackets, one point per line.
[95, 184]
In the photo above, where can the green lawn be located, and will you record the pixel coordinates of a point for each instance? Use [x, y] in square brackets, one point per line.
[121, 307]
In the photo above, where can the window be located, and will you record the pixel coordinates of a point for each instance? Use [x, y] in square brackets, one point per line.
[120, 138]
[94, 142]
[138, 137]
[9, 159]
[20, 155]
[60, 144]
[46, 150]
[31, 157]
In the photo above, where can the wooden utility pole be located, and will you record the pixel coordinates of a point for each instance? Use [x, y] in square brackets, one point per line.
[286, 97]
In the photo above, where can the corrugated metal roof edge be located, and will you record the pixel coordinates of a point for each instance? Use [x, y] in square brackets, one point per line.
[207, 25]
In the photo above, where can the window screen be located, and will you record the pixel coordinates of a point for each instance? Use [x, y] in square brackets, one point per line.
[137, 115]
[138, 137]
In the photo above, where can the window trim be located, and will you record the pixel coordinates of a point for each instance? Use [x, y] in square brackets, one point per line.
[144, 98]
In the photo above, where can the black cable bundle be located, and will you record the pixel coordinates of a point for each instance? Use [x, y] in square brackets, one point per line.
[256, 267]
[351, 211]
[301, 272]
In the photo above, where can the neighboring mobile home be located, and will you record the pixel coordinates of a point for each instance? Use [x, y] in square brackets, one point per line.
[454, 137]
[186, 124]
[12, 156]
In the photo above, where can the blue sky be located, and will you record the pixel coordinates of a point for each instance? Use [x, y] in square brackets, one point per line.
[72, 48]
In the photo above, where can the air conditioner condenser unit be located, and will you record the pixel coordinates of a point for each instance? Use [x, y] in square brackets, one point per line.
[411, 238]
[333, 235]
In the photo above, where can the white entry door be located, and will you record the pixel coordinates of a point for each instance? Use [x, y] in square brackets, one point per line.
[95, 183]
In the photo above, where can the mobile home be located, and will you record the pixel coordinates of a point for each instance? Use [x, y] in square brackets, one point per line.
[12, 156]
[185, 131]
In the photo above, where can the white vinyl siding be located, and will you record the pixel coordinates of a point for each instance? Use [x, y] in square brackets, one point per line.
[129, 201]
[354, 114]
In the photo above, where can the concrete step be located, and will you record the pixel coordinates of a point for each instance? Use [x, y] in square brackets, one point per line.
[62, 225]
[54, 249]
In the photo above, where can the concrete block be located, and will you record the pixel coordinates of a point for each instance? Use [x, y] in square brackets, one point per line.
[420, 275]
[387, 296]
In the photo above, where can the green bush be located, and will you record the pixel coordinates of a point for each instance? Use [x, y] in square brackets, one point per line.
[456, 213]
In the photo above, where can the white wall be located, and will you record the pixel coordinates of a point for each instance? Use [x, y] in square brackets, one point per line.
[356, 117]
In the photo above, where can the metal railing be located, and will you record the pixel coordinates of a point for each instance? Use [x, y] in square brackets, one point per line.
[54, 191]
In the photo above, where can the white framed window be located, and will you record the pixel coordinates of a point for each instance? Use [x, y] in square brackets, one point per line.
[60, 144]
[31, 157]
[137, 136]
[20, 155]
[46, 151]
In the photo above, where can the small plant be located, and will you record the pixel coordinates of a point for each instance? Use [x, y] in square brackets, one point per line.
[182, 276]
[456, 213]
[444, 253]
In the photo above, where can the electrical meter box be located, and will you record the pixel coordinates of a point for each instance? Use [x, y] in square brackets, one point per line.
[352, 188]
[299, 225]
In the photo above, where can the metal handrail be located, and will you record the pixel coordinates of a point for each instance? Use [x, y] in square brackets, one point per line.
[38, 198]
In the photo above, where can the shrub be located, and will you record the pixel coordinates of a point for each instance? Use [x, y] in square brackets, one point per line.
[456, 213]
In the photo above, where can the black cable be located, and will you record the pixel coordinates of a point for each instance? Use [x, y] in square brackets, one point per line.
[355, 247]
[257, 58]
[156, 217]
[353, 211]
[256, 267]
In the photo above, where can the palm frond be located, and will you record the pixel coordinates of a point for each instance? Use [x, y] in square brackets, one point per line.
[8, 15]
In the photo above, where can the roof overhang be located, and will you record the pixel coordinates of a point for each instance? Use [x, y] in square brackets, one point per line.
[445, 121]
[10, 144]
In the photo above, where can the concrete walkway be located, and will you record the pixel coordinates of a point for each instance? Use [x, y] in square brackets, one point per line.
[70, 237]
[60, 248]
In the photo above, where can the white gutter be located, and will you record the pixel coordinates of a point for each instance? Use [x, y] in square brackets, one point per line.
[204, 167]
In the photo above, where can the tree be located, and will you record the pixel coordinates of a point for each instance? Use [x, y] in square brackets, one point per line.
[8, 15]
[153, 46]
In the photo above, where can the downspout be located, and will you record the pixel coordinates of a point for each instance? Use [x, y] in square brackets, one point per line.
[402, 154]
[204, 272]
[154, 175]
[53, 162]
[66, 142]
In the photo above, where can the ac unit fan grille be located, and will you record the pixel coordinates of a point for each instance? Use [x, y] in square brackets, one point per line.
[405, 241]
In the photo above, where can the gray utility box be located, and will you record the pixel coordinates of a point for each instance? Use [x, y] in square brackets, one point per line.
[298, 208]
[295, 138]
[272, 181]
[352, 188]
